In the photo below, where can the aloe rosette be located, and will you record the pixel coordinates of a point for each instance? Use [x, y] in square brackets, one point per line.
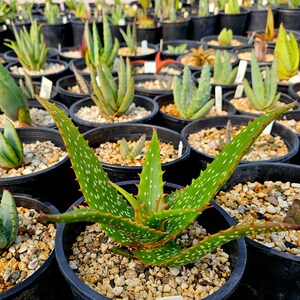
[146, 225]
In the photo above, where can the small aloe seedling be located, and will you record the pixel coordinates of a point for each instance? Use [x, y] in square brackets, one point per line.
[112, 100]
[225, 37]
[223, 72]
[130, 38]
[232, 7]
[117, 12]
[269, 33]
[263, 94]
[193, 103]
[29, 47]
[26, 86]
[287, 52]
[12, 101]
[52, 13]
[11, 148]
[146, 225]
[180, 49]
[9, 220]
[131, 152]
[293, 4]
[95, 53]
[84, 87]
[203, 10]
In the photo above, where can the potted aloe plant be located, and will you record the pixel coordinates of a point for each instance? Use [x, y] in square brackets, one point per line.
[32, 51]
[146, 227]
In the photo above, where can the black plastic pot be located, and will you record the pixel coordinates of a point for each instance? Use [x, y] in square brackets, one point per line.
[173, 171]
[293, 89]
[269, 274]
[177, 124]
[207, 39]
[152, 35]
[151, 93]
[10, 56]
[189, 44]
[84, 125]
[68, 97]
[202, 159]
[232, 55]
[19, 24]
[212, 219]
[55, 34]
[5, 33]
[249, 49]
[116, 33]
[47, 282]
[285, 98]
[236, 22]
[66, 58]
[149, 56]
[289, 18]
[202, 26]
[53, 76]
[55, 184]
[177, 30]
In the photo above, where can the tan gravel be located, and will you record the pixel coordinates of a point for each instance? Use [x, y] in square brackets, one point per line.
[50, 68]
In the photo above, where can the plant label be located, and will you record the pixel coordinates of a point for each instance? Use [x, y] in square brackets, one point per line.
[211, 8]
[171, 298]
[46, 88]
[144, 45]
[268, 129]
[218, 98]
[251, 38]
[59, 48]
[121, 22]
[64, 19]
[150, 66]
[180, 146]
[239, 91]
[241, 71]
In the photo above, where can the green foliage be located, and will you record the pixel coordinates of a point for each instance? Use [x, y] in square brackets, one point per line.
[193, 103]
[287, 51]
[129, 153]
[130, 38]
[25, 9]
[263, 94]
[12, 101]
[71, 4]
[4, 10]
[84, 87]
[9, 220]
[117, 13]
[203, 10]
[26, 86]
[81, 11]
[96, 53]
[232, 7]
[223, 72]
[11, 148]
[225, 37]
[147, 224]
[29, 47]
[293, 4]
[111, 99]
[180, 49]
[52, 14]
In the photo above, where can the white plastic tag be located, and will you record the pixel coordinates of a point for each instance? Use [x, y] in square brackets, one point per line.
[64, 19]
[46, 88]
[211, 7]
[144, 45]
[59, 47]
[121, 22]
[62, 6]
[239, 91]
[180, 145]
[218, 98]
[268, 129]
[241, 71]
[150, 67]
[251, 38]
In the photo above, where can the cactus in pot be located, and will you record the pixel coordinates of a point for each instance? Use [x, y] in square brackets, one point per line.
[9, 221]
[287, 52]
[193, 103]
[225, 37]
[145, 226]
[111, 99]
[223, 71]
[263, 94]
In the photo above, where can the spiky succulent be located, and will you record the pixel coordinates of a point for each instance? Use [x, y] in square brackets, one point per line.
[29, 47]
[223, 71]
[111, 99]
[117, 13]
[84, 86]
[95, 53]
[198, 57]
[26, 86]
[130, 38]
[269, 33]
[52, 13]
[11, 148]
[128, 152]
[12, 101]
[147, 224]
[293, 4]
[4, 10]
[203, 10]
[263, 94]
[191, 102]
[179, 49]
[225, 37]
[9, 220]
[287, 52]
[232, 7]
